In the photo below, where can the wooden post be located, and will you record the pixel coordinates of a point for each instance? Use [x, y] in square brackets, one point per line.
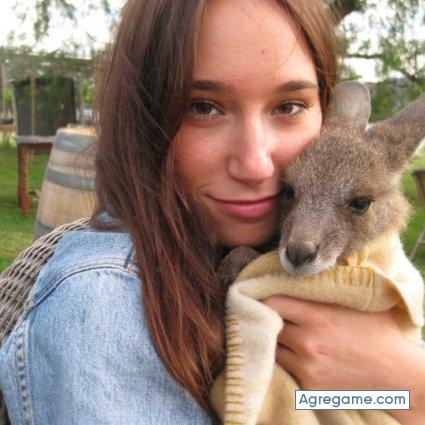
[32, 91]
[81, 95]
[3, 88]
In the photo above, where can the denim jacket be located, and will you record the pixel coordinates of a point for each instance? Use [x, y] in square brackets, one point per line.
[82, 353]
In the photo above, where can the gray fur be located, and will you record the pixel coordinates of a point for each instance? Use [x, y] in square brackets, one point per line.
[351, 102]
[345, 162]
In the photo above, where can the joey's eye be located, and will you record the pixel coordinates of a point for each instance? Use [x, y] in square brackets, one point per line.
[203, 109]
[287, 192]
[360, 204]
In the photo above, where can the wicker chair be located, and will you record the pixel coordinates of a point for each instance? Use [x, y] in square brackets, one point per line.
[419, 178]
[17, 281]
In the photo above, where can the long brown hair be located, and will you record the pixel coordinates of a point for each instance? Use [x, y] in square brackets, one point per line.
[141, 103]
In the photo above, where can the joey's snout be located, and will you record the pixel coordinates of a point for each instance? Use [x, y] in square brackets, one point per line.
[300, 253]
[304, 255]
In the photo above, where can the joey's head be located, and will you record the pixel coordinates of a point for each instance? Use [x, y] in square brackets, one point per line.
[343, 190]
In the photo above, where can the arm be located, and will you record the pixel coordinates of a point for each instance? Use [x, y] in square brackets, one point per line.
[331, 347]
[89, 358]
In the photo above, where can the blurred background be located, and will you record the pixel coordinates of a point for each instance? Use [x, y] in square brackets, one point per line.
[51, 57]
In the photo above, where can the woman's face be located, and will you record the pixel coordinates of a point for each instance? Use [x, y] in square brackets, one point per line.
[254, 107]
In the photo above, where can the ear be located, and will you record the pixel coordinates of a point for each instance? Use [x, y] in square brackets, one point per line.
[349, 106]
[402, 133]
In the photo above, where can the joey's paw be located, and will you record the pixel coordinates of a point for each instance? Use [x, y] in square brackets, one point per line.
[232, 264]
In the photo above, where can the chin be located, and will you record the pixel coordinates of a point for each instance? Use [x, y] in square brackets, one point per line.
[245, 237]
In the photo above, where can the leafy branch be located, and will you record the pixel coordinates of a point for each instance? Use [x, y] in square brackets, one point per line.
[45, 8]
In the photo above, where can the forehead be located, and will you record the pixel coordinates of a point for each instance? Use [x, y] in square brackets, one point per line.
[247, 41]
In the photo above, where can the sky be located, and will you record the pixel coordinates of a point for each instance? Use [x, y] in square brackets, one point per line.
[96, 26]
[63, 32]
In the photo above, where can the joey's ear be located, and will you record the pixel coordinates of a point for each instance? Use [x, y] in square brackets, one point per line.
[402, 133]
[349, 106]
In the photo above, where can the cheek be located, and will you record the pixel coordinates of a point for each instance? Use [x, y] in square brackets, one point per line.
[308, 132]
[196, 158]
[296, 138]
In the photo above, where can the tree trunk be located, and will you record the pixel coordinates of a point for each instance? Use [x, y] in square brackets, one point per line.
[342, 8]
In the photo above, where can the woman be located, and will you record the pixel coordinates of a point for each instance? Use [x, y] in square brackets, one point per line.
[202, 106]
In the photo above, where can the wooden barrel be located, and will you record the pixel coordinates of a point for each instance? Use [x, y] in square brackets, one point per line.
[68, 187]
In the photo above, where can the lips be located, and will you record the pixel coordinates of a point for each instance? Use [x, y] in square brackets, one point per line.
[248, 209]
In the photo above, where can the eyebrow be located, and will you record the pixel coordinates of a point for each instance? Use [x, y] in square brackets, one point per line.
[219, 86]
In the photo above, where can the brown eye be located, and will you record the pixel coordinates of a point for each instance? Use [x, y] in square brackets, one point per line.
[292, 109]
[360, 204]
[203, 109]
[289, 109]
[287, 192]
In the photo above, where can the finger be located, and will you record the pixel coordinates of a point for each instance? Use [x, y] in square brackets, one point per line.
[291, 336]
[293, 309]
[288, 360]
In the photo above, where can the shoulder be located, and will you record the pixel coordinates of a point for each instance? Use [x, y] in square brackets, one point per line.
[87, 297]
[90, 246]
[83, 253]
[93, 315]
[91, 282]
[83, 350]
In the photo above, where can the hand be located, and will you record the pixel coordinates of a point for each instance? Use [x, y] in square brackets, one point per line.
[327, 347]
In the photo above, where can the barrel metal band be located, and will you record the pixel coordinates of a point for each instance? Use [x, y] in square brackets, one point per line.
[69, 180]
[71, 142]
[41, 229]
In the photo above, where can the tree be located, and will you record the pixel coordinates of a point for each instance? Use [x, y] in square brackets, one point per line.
[400, 46]
[389, 33]
[342, 8]
[44, 9]
[395, 42]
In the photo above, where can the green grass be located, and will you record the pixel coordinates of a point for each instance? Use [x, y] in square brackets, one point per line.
[16, 231]
[417, 220]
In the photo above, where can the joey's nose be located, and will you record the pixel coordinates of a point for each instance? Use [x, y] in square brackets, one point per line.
[299, 253]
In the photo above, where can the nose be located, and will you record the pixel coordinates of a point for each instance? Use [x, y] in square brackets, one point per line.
[251, 158]
[299, 253]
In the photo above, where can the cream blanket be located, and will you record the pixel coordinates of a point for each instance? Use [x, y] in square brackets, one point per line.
[256, 390]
